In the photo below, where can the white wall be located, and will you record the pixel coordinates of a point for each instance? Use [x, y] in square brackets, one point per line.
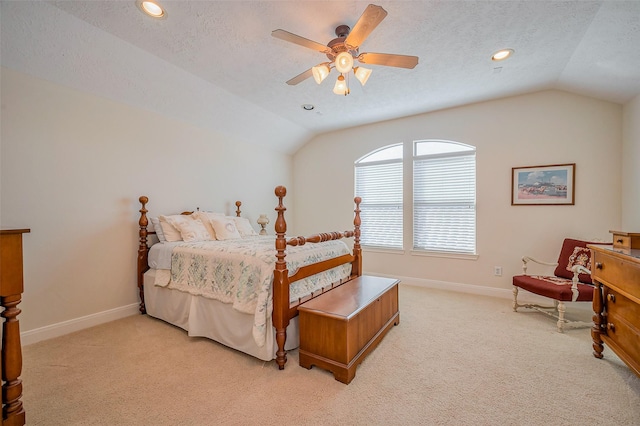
[549, 127]
[73, 167]
[631, 167]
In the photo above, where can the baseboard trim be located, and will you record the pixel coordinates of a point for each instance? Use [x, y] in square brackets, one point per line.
[503, 293]
[66, 327]
[458, 287]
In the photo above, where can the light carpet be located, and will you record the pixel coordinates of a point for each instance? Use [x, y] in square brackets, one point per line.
[455, 359]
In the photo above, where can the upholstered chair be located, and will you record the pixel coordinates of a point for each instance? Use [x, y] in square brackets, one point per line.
[570, 282]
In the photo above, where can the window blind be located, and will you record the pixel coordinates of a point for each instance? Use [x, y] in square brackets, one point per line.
[380, 187]
[444, 203]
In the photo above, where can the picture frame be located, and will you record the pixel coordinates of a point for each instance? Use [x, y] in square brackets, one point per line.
[543, 185]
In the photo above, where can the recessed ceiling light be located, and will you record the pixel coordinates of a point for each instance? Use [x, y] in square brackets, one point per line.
[307, 107]
[502, 54]
[152, 8]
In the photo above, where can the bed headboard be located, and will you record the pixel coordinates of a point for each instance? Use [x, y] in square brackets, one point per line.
[143, 246]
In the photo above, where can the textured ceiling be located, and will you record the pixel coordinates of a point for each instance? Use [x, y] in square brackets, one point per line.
[214, 63]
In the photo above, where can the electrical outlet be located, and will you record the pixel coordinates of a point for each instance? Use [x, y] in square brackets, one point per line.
[497, 271]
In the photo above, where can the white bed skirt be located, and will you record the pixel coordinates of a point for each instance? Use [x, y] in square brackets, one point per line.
[218, 321]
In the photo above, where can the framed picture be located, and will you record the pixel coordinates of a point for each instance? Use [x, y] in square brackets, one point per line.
[543, 185]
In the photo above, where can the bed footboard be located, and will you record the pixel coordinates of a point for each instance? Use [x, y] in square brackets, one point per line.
[283, 312]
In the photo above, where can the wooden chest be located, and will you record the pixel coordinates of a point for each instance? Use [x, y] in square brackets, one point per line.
[339, 328]
[616, 302]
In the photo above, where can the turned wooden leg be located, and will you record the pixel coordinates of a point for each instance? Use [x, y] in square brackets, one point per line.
[143, 308]
[12, 410]
[515, 299]
[598, 320]
[561, 309]
[281, 354]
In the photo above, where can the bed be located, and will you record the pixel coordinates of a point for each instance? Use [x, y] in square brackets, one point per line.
[241, 292]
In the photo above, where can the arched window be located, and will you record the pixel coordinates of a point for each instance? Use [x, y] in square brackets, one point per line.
[444, 197]
[378, 180]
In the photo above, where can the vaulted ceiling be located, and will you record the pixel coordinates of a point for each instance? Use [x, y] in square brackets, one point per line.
[215, 64]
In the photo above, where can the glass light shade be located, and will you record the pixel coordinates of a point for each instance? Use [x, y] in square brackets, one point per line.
[341, 87]
[320, 72]
[362, 74]
[152, 9]
[263, 221]
[344, 62]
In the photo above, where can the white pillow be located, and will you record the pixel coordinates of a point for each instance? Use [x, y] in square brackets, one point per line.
[225, 228]
[191, 229]
[170, 232]
[244, 226]
[205, 218]
[158, 228]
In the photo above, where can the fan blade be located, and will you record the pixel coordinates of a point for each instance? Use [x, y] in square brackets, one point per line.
[368, 22]
[389, 60]
[300, 77]
[304, 42]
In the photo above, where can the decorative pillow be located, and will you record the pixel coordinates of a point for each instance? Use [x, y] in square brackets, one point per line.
[191, 229]
[158, 228]
[225, 228]
[205, 217]
[170, 232]
[574, 252]
[244, 226]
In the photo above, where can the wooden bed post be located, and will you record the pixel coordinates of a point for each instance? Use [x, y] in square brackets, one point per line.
[281, 282]
[143, 251]
[238, 204]
[356, 268]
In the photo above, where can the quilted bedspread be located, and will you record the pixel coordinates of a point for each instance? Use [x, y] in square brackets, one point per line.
[240, 272]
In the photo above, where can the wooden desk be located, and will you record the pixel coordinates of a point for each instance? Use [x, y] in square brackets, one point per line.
[615, 272]
[11, 287]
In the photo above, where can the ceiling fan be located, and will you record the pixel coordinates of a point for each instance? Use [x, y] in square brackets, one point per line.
[343, 51]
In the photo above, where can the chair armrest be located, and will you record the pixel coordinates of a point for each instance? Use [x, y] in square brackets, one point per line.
[577, 270]
[525, 259]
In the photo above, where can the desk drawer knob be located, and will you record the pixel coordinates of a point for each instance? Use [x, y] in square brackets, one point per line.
[599, 265]
[611, 297]
[611, 326]
[619, 241]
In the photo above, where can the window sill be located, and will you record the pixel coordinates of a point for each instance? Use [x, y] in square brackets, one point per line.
[444, 254]
[382, 250]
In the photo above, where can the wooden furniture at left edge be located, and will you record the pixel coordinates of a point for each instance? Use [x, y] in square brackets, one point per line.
[11, 287]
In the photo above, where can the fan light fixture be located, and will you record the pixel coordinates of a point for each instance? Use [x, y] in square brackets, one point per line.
[362, 74]
[341, 87]
[344, 62]
[320, 72]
